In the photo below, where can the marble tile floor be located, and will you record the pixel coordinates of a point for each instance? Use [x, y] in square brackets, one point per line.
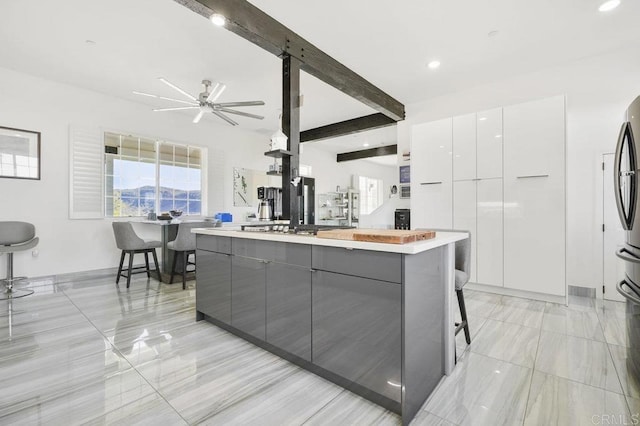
[84, 351]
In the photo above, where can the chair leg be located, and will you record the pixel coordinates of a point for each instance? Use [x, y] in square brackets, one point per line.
[146, 263]
[120, 267]
[463, 314]
[130, 268]
[155, 261]
[173, 266]
[185, 257]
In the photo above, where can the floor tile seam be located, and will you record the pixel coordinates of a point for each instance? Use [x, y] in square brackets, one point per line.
[121, 355]
[575, 337]
[533, 369]
[441, 418]
[86, 382]
[264, 389]
[578, 382]
[323, 407]
[513, 323]
[618, 375]
[500, 360]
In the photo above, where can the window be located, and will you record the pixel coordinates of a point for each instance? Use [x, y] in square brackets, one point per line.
[371, 194]
[144, 175]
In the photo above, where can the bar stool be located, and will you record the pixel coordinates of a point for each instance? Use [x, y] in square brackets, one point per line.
[185, 245]
[130, 243]
[462, 274]
[15, 236]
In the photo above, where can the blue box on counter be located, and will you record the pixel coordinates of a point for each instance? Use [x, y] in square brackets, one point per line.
[224, 217]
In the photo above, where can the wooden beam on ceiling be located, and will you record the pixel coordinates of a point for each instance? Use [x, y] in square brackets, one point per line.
[249, 22]
[348, 127]
[368, 153]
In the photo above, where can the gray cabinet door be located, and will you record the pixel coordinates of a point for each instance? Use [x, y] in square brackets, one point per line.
[289, 308]
[213, 289]
[357, 330]
[248, 295]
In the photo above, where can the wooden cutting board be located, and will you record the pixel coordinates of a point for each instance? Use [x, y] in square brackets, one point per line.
[389, 236]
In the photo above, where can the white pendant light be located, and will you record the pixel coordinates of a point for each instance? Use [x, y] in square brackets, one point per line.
[608, 5]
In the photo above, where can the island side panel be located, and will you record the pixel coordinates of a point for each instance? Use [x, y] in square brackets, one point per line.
[423, 324]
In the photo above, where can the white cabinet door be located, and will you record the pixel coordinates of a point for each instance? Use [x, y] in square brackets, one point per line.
[534, 196]
[431, 152]
[534, 229]
[534, 133]
[431, 205]
[464, 215]
[464, 147]
[489, 235]
[489, 159]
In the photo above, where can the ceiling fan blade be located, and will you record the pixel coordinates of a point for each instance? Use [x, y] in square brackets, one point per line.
[237, 104]
[244, 114]
[196, 120]
[145, 94]
[178, 100]
[225, 118]
[176, 108]
[173, 86]
[216, 92]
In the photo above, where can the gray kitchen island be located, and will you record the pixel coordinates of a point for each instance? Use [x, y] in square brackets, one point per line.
[374, 318]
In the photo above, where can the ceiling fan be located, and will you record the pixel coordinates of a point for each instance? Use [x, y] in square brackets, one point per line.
[206, 102]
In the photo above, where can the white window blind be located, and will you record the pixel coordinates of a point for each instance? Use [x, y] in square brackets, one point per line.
[85, 173]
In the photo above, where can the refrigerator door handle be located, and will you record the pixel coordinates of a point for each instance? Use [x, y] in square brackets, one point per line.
[632, 297]
[626, 221]
[626, 255]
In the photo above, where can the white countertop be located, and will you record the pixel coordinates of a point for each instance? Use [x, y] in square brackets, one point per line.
[441, 239]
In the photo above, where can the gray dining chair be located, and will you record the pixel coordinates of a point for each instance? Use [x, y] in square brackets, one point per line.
[130, 243]
[184, 245]
[15, 236]
[462, 273]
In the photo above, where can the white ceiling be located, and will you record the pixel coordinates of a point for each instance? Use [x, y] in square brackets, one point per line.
[138, 41]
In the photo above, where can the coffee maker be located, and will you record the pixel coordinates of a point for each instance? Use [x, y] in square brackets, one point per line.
[270, 207]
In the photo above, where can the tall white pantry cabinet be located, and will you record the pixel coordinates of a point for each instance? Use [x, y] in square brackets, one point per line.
[501, 175]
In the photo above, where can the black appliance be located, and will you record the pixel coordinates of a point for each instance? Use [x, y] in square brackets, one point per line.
[307, 196]
[626, 170]
[403, 219]
[273, 196]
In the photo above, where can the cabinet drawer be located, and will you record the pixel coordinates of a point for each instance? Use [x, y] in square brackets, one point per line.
[289, 253]
[361, 263]
[214, 243]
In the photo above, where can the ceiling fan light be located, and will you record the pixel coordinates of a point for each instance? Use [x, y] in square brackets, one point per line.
[218, 20]
[609, 5]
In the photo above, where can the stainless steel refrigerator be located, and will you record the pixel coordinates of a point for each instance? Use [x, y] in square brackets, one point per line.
[627, 196]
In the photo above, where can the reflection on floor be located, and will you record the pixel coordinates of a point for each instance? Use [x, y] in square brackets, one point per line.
[86, 351]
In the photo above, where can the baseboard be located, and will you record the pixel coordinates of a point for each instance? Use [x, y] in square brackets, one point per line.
[575, 290]
[517, 293]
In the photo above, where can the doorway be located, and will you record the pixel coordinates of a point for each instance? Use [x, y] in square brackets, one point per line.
[613, 236]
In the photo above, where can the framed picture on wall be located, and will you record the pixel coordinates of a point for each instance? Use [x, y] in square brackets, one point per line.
[19, 153]
[405, 174]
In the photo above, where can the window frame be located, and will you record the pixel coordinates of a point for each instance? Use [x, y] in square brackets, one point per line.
[158, 142]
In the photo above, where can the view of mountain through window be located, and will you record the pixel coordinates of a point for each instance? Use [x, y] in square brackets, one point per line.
[144, 175]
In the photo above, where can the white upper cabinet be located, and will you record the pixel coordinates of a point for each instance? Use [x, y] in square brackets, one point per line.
[534, 134]
[464, 147]
[489, 143]
[431, 152]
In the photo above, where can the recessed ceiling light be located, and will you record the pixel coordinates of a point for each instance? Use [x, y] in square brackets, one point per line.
[493, 33]
[498, 136]
[433, 65]
[482, 118]
[609, 5]
[218, 19]
[365, 144]
[90, 42]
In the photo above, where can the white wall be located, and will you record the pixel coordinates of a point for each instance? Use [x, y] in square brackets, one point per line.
[66, 245]
[329, 174]
[598, 91]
